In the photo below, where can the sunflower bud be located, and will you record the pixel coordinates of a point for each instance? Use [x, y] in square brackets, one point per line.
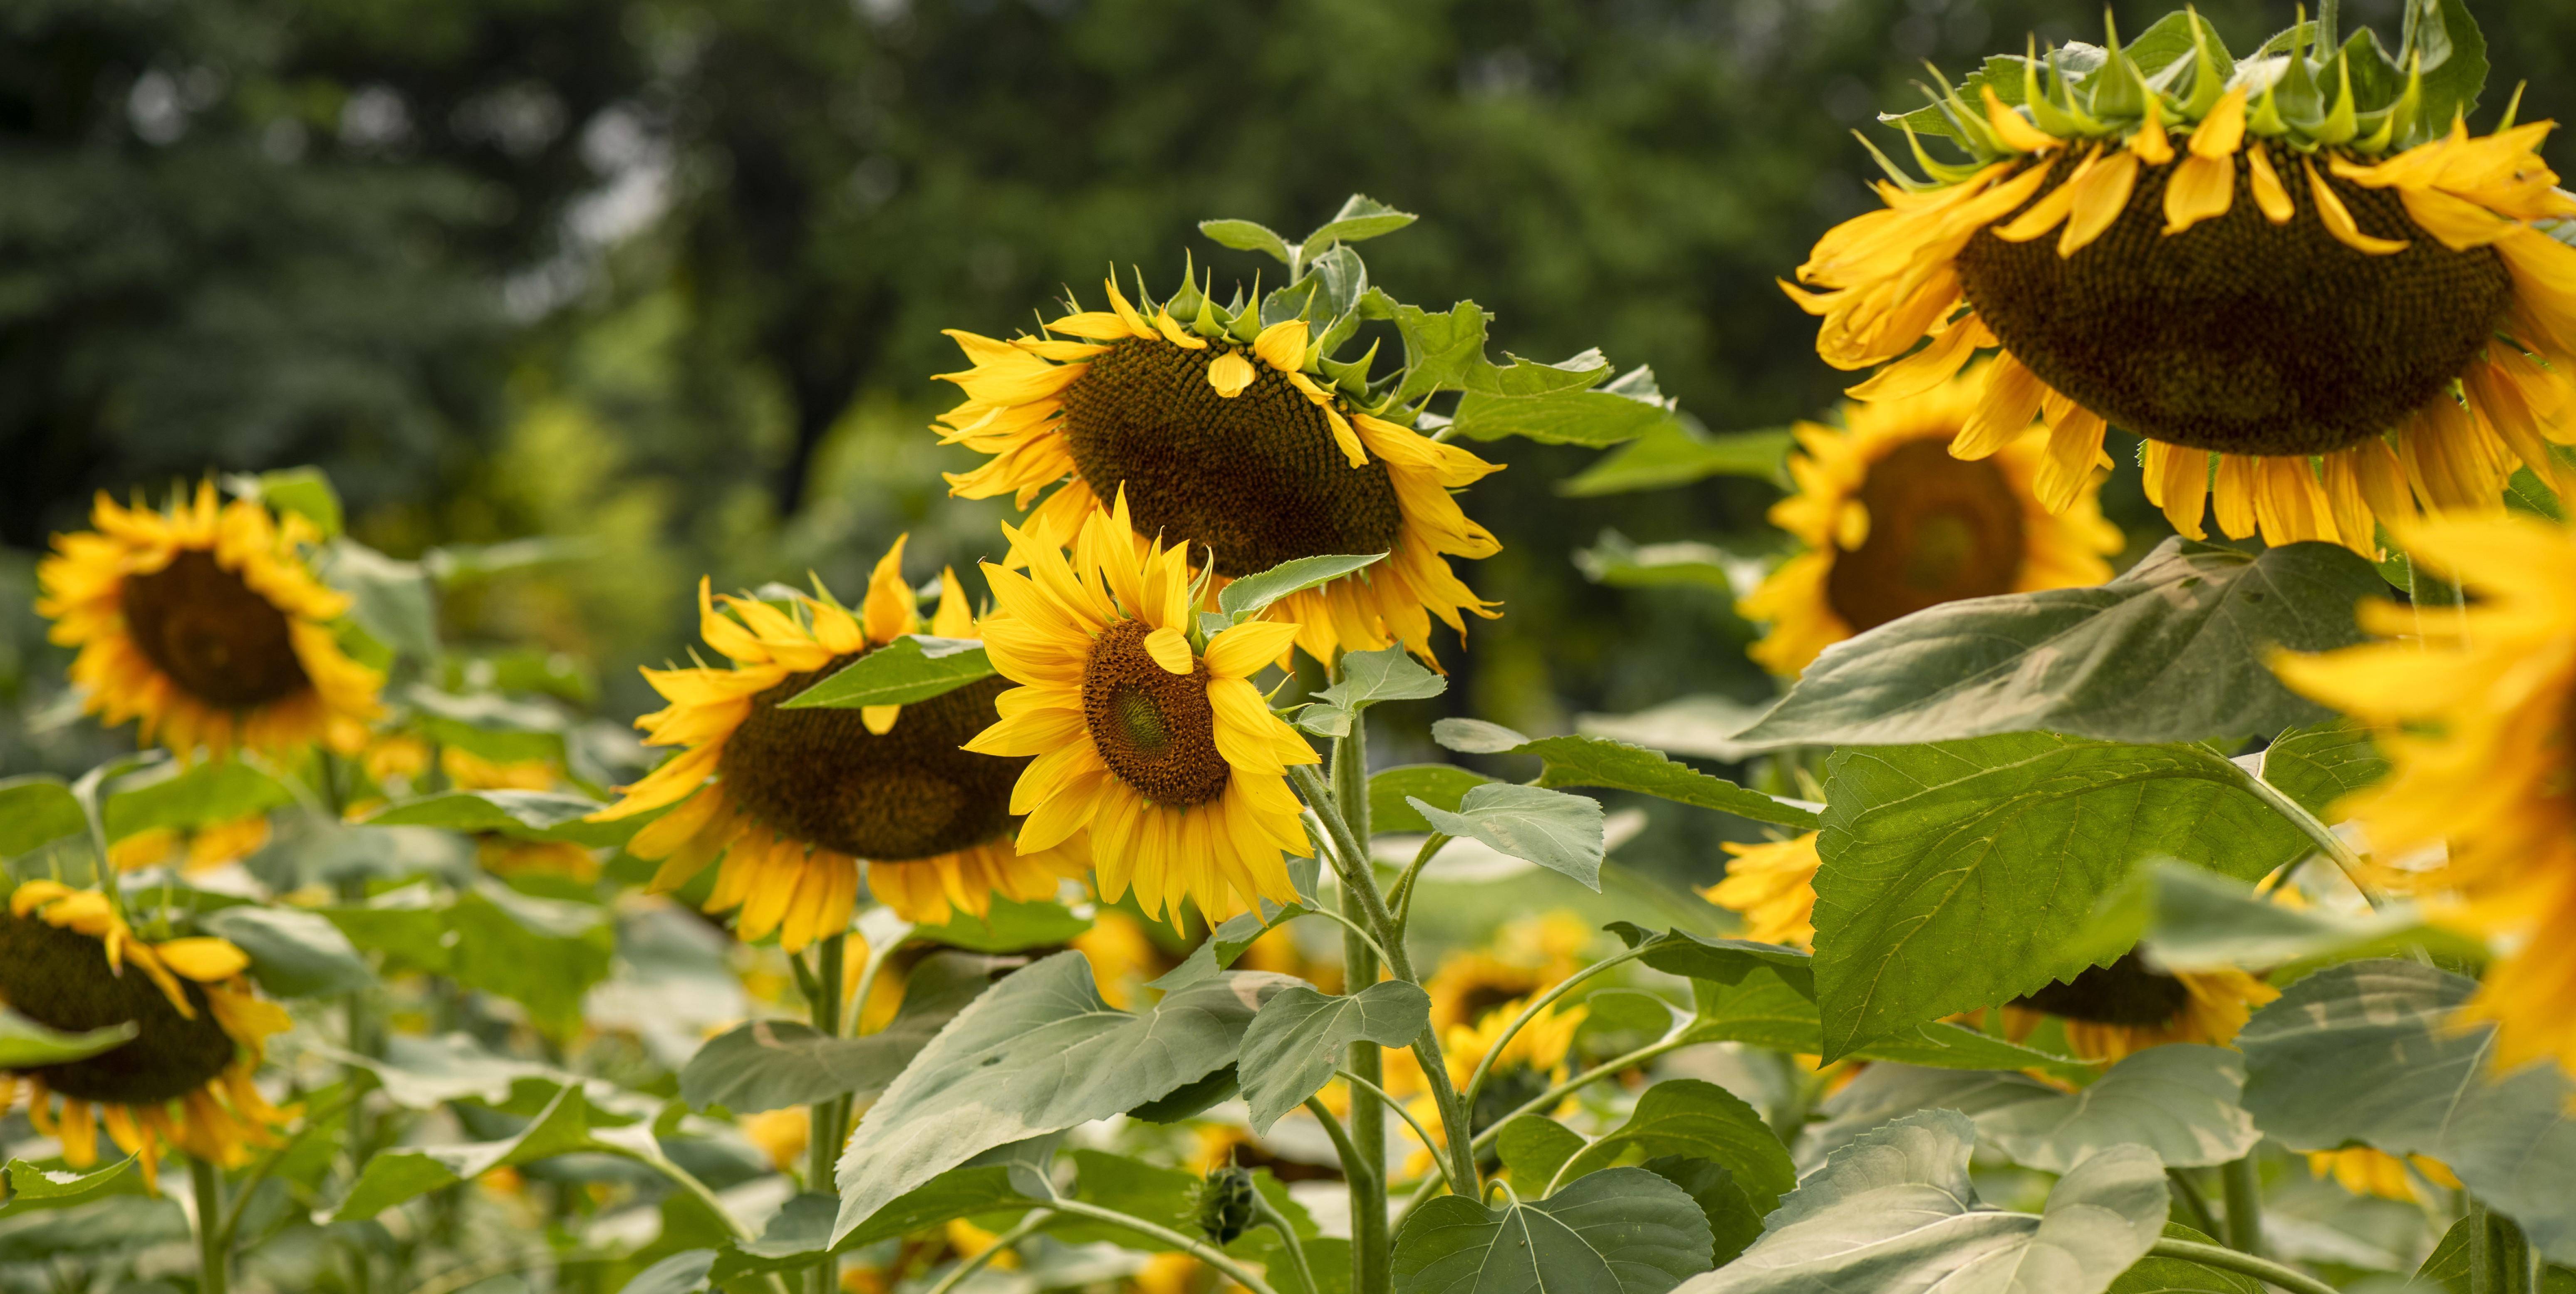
[1227, 1207]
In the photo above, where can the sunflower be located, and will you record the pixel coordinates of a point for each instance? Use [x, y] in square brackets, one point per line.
[2477, 715]
[184, 1080]
[1154, 741]
[2111, 1012]
[1528, 1064]
[1527, 956]
[1773, 887]
[2364, 1171]
[1230, 442]
[793, 800]
[1892, 524]
[194, 850]
[205, 623]
[2318, 307]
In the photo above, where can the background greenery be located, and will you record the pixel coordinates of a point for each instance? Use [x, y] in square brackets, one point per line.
[666, 277]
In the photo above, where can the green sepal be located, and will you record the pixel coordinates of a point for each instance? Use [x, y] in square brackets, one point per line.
[1246, 324]
[1186, 302]
[2211, 66]
[2118, 91]
[1352, 376]
[1898, 175]
[2342, 122]
[1944, 172]
[1212, 319]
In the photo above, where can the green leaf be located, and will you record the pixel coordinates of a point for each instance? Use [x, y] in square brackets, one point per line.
[2179, 1100]
[2448, 1267]
[1296, 1041]
[302, 491]
[1250, 596]
[392, 600]
[293, 953]
[1955, 875]
[2173, 650]
[1533, 1147]
[1038, 1053]
[34, 1190]
[1618, 766]
[405, 1173]
[1190, 1100]
[1446, 352]
[2319, 765]
[494, 727]
[773, 1064]
[802, 1229]
[1671, 452]
[1219, 949]
[35, 811]
[26, 1044]
[912, 668]
[521, 815]
[1625, 1230]
[1369, 677]
[1361, 217]
[1734, 1220]
[1476, 736]
[542, 953]
[2374, 1052]
[1009, 926]
[1690, 1117]
[2191, 920]
[682, 1273]
[210, 792]
[2155, 1274]
[1573, 417]
[2455, 64]
[1245, 236]
[1894, 1211]
[1439, 785]
[1687, 563]
[1559, 832]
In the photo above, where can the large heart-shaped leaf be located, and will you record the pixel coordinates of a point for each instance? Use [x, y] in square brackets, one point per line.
[1625, 1230]
[1293, 1045]
[1618, 766]
[1955, 875]
[2374, 1052]
[1690, 1117]
[1038, 1053]
[1894, 1213]
[2173, 650]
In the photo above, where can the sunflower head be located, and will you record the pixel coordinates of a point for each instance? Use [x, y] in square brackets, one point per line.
[205, 622]
[795, 798]
[69, 961]
[1773, 887]
[2297, 276]
[1242, 437]
[1141, 730]
[1892, 523]
[2126, 1006]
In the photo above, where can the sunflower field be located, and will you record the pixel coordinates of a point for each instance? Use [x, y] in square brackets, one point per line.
[658, 646]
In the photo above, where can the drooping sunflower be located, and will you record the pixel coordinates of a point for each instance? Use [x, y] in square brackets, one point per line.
[2299, 277]
[1773, 887]
[70, 962]
[2476, 711]
[205, 623]
[794, 800]
[2111, 1012]
[1235, 443]
[1892, 523]
[1153, 741]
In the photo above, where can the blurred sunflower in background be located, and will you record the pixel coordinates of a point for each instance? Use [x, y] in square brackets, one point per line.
[2364, 1171]
[205, 623]
[2476, 712]
[1892, 523]
[2115, 1011]
[183, 1080]
[193, 850]
[1524, 1068]
[1773, 887]
[1524, 957]
[794, 799]
[2315, 294]
[1236, 445]
[1156, 744]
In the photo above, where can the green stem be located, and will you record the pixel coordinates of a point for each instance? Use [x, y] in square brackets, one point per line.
[1485, 1066]
[1001, 1245]
[1205, 1253]
[2244, 1196]
[1342, 1147]
[1370, 1246]
[214, 1260]
[1429, 1142]
[2193, 1202]
[1402, 895]
[314, 1121]
[1673, 1041]
[823, 1139]
[2229, 1260]
[1288, 1238]
[2297, 815]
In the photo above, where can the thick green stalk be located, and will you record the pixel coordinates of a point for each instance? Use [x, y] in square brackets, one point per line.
[1370, 1251]
[823, 1133]
[214, 1256]
[2229, 1260]
[2244, 1195]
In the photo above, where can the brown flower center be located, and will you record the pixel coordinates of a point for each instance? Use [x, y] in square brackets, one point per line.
[2238, 334]
[2124, 992]
[821, 777]
[1257, 478]
[1939, 529]
[202, 626]
[1155, 729]
[61, 979]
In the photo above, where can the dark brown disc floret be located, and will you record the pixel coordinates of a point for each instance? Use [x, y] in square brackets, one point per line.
[819, 775]
[60, 978]
[2237, 334]
[2122, 993]
[1939, 529]
[1258, 478]
[1155, 729]
[204, 627]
